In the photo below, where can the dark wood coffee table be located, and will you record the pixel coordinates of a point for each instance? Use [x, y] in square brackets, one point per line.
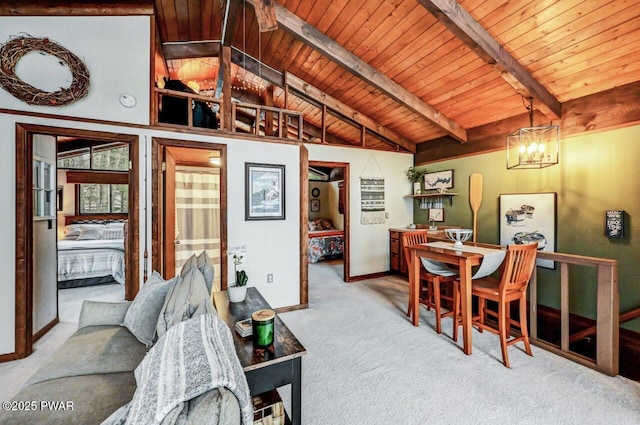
[265, 369]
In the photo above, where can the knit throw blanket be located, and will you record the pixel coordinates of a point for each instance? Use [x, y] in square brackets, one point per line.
[193, 357]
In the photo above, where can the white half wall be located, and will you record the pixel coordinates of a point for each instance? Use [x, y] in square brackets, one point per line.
[369, 244]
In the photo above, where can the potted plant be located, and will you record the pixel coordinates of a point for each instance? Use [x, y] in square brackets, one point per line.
[237, 291]
[416, 176]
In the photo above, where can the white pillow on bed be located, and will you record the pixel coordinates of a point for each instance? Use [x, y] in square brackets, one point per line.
[109, 233]
[71, 232]
[115, 225]
[89, 232]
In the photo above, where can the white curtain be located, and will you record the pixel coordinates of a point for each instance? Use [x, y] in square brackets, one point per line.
[198, 216]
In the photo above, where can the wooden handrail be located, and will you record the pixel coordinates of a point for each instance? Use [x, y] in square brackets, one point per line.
[282, 114]
[607, 314]
[187, 95]
[625, 317]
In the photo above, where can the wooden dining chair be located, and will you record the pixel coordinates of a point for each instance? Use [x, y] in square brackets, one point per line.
[515, 273]
[430, 286]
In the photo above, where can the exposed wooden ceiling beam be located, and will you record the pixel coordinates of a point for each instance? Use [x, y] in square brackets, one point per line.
[316, 39]
[76, 8]
[334, 104]
[307, 91]
[471, 33]
[615, 108]
[266, 16]
[191, 49]
[256, 67]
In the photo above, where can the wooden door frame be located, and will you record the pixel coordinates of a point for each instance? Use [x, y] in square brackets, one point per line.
[346, 268]
[158, 144]
[24, 224]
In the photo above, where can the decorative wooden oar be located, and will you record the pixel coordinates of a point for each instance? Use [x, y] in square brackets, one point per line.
[475, 198]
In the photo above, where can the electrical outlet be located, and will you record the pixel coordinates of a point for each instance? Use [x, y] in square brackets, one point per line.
[386, 215]
[270, 278]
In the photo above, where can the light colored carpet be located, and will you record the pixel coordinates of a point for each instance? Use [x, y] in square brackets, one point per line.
[366, 364]
[14, 374]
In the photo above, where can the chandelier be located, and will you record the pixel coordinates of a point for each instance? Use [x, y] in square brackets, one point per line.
[533, 147]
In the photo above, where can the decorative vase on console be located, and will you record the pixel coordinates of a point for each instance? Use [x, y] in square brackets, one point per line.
[238, 290]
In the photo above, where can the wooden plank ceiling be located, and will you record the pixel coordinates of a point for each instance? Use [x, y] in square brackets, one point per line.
[427, 72]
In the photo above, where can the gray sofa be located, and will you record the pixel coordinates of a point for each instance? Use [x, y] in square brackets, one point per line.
[92, 373]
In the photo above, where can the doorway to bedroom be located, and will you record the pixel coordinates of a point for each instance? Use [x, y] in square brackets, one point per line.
[71, 205]
[328, 219]
[189, 205]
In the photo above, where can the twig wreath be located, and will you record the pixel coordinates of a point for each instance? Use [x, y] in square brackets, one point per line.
[12, 51]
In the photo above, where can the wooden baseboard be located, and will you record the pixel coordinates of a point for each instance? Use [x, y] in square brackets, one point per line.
[44, 330]
[8, 357]
[291, 308]
[367, 276]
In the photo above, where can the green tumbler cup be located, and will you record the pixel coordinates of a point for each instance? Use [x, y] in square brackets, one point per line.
[262, 322]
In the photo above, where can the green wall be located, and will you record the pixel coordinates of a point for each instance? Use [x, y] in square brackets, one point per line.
[597, 172]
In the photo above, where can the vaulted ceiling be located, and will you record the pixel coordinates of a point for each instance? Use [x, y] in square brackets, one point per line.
[434, 76]
[422, 69]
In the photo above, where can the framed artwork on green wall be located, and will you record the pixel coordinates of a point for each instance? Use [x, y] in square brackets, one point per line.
[436, 214]
[527, 218]
[438, 180]
[614, 224]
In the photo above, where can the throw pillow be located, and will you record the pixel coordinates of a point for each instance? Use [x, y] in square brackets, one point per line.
[190, 263]
[326, 224]
[90, 233]
[115, 225]
[71, 232]
[187, 298]
[142, 315]
[205, 265]
[113, 234]
[314, 226]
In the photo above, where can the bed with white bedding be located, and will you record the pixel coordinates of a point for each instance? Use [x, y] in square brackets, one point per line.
[91, 254]
[90, 260]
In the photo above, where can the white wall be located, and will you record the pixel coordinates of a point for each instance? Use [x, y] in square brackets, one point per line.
[272, 246]
[369, 249]
[117, 52]
[7, 230]
[115, 49]
[326, 207]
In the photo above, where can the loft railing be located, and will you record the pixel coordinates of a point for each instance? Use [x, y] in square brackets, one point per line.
[607, 314]
[246, 117]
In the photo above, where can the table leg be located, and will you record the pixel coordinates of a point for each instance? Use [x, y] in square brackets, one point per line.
[465, 297]
[414, 281]
[296, 392]
[277, 375]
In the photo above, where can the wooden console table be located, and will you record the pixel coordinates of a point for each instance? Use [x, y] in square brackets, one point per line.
[265, 369]
[397, 263]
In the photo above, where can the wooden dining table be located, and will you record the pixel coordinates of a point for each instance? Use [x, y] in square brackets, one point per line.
[465, 262]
